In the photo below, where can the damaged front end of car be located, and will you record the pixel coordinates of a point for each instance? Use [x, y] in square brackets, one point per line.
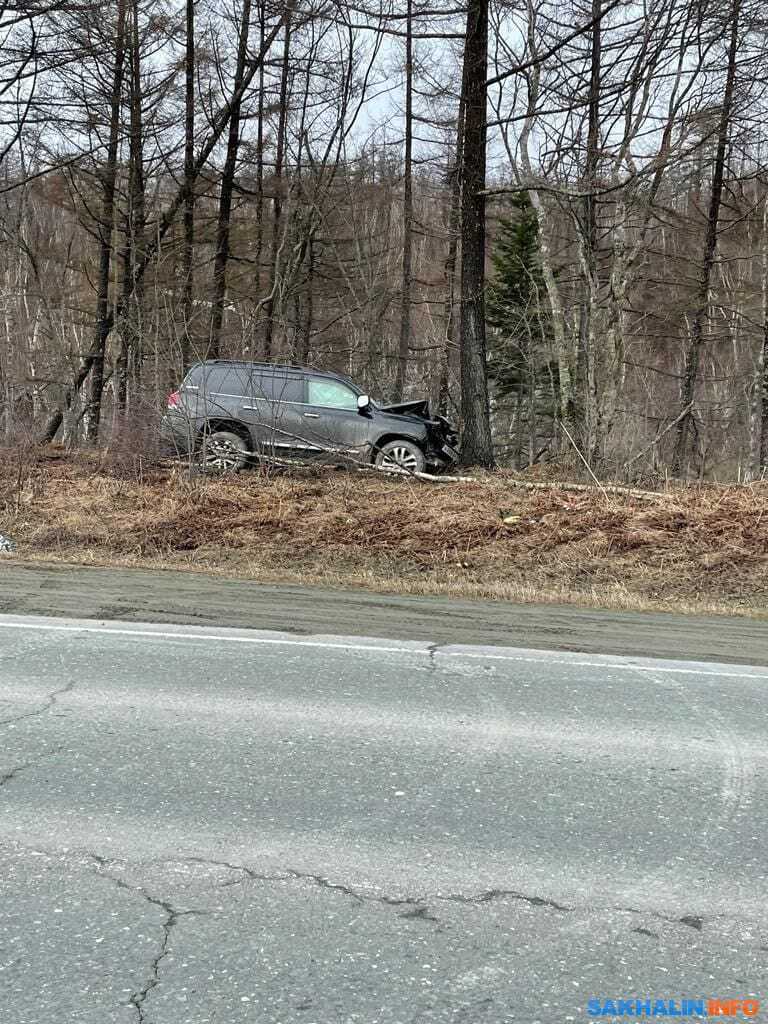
[443, 435]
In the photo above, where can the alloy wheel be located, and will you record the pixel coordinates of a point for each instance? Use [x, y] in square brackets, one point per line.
[400, 458]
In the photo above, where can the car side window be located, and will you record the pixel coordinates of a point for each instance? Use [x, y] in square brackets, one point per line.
[331, 394]
[230, 381]
[274, 388]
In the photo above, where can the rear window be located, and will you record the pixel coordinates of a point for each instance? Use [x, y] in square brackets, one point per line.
[278, 389]
[219, 380]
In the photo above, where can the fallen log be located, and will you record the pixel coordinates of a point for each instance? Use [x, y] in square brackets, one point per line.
[528, 485]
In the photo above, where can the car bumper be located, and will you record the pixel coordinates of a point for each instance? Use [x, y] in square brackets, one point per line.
[177, 435]
[442, 457]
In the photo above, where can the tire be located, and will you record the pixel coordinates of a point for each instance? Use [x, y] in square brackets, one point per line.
[401, 456]
[222, 452]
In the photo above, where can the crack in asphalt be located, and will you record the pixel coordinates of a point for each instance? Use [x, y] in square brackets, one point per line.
[416, 908]
[645, 931]
[419, 909]
[51, 700]
[324, 883]
[695, 921]
[512, 894]
[172, 918]
[250, 874]
[10, 773]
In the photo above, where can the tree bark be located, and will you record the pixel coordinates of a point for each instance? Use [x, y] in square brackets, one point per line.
[407, 271]
[108, 178]
[305, 328]
[477, 446]
[451, 259]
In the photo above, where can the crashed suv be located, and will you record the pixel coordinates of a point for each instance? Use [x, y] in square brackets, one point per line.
[226, 413]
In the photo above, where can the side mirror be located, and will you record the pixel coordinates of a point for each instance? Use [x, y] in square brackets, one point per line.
[363, 402]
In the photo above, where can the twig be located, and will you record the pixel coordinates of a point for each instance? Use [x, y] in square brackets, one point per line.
[659, 436]
[589, 468]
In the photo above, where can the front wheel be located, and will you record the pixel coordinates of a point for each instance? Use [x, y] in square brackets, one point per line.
[401, 457]
[223, 452]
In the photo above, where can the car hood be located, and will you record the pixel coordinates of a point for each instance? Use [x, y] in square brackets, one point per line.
[419, 408]
[438, 426]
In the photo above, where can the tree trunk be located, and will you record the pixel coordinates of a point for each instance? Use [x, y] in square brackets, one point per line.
[564, 347]
[477, 445]
[407, 275]
[259, 240]
[305, 328]
[277, 207]
[225, 197]
[108, 178]
[188, 269]
[129, 356]
[454, 224]
[52, 424]
[589, 432]
[693, 355]
[759, 418]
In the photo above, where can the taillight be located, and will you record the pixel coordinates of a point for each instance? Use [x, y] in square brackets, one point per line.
[173, 399]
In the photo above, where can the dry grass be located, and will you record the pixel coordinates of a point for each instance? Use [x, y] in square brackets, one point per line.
[698, 549]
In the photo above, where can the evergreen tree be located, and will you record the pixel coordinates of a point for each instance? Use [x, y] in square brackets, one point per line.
[520, 366]
[516, 305]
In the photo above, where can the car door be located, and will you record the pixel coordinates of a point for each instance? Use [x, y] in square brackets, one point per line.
[224, 389]
[334, 426]
[257, 406]
[275, 397]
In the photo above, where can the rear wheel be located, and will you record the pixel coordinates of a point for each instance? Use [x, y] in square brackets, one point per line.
[223, 452]
[402, 457]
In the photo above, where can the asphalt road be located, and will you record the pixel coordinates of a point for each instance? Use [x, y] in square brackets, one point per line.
[208, 827]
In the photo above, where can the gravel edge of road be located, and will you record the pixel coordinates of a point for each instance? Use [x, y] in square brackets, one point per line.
[143, 595]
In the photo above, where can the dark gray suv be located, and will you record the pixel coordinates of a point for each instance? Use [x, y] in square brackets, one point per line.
[226, 413]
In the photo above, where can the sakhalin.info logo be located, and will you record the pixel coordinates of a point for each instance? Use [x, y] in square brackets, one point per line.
[635, 1007]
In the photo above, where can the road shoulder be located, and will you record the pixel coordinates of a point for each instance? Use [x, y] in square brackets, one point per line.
[138, 595]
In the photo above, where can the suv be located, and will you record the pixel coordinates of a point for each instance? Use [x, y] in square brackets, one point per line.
[228, 412]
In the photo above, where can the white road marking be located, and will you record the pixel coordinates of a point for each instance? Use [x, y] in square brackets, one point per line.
[343, 644]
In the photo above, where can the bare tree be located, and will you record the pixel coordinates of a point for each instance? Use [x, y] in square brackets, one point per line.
[477, 447]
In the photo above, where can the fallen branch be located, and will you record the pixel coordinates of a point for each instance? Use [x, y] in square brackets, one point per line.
[528, 485]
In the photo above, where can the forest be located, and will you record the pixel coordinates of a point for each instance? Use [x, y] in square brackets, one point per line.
[549, 218]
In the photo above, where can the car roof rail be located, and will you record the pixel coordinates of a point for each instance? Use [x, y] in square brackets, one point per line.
[275, 366]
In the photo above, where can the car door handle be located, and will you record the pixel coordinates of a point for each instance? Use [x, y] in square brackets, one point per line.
[311, 415]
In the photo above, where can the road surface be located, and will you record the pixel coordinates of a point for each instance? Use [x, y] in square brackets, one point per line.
[200, 826]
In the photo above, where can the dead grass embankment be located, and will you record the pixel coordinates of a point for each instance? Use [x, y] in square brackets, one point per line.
[701, 548]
